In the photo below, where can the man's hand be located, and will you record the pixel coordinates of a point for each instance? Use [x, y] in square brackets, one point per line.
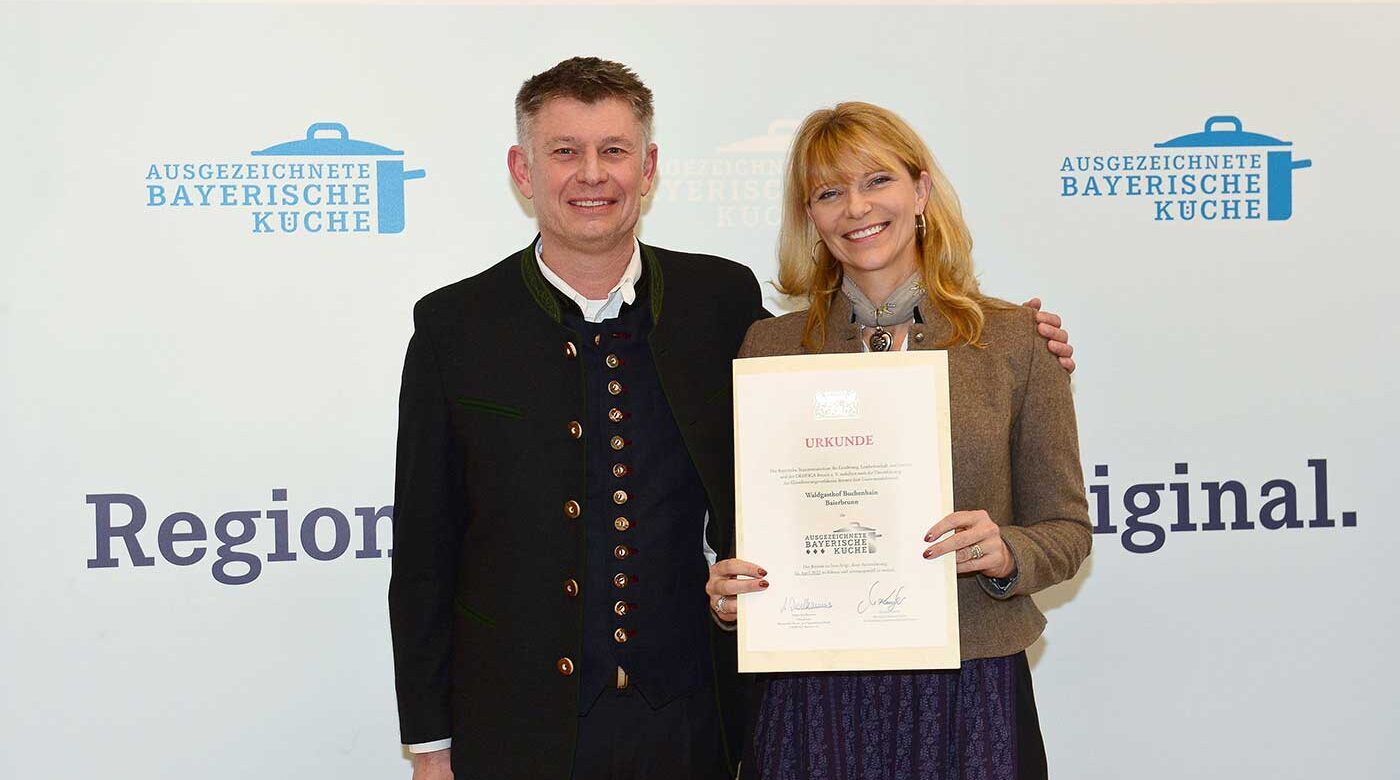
[436, 765]
[1048, 324]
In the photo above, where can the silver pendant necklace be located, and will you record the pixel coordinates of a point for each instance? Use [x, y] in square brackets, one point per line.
[881, 340]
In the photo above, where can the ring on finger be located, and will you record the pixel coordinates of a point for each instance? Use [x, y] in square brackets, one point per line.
[976, 551]
[719, 603]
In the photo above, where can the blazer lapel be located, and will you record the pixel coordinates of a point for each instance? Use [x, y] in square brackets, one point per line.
[842, 335]
[933, 332]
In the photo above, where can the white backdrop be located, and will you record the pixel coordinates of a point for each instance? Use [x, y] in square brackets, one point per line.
[170, 359]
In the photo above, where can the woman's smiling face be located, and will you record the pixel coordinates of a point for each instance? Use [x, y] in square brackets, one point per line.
[867, 220]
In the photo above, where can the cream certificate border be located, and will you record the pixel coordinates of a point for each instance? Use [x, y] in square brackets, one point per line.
[930, 428]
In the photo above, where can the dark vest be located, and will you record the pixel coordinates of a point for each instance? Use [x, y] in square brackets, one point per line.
[643, 518]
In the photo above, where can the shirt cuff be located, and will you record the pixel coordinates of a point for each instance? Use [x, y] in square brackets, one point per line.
[429, 747]
[999, 587]
[705, 549]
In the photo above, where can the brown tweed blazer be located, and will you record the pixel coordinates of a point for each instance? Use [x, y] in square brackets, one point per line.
[1015, 454]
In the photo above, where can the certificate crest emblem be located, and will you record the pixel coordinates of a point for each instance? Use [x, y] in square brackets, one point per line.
[837, 404]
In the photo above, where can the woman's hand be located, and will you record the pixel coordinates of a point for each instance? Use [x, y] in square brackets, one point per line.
[976, 544]
[729, 578]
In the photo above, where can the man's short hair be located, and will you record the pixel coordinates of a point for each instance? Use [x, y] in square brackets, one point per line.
[587, 80]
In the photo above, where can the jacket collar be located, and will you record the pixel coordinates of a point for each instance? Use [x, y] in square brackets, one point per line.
[547, 297]
[843, 334]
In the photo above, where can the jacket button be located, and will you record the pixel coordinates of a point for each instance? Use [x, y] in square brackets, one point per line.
[619, 497]
[918, 336]
[622, 524]
[571, 587]
[564, 666]
[570, 351]
[616, 415]
[613, 361]
[621, 470]
[617, 443]
[614, 387]
[572, 509]
[622, 608]
[621, 552]
[621, 580]
[575, 429]
[597, 339]
[621, 636]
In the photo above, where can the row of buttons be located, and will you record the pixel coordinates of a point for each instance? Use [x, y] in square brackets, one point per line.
[573, 510]
[621, 524]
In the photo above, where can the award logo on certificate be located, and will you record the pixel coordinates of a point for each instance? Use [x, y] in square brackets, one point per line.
[842, 462]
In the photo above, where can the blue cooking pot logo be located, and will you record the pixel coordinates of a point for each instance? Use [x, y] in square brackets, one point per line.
[1281, 164]
[389, 174]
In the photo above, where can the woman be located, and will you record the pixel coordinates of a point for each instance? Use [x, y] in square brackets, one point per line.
[873, 237]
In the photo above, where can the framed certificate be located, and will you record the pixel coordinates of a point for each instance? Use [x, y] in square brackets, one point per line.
[841, 464]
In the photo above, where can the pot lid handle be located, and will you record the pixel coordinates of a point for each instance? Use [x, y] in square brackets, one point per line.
[345, 134]
[1210, 123]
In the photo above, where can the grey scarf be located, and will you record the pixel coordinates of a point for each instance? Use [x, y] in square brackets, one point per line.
[897, 308]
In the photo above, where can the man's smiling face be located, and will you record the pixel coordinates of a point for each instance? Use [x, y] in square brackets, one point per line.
[587, 169]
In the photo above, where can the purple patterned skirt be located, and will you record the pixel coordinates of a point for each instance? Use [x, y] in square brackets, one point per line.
[975, 723]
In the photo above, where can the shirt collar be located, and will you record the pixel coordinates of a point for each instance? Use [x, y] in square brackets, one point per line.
[624, 292]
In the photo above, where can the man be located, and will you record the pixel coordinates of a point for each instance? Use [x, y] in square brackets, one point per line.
[565, 455]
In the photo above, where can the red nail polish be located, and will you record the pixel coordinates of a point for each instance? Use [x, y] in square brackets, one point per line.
[763, 583]
[762, 573]
[928, 553]
[928, 537]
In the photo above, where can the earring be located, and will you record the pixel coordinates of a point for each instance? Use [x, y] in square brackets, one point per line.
[816, 260]
[920, 225]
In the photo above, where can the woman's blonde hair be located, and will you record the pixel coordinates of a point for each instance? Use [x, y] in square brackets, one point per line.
[835, 144]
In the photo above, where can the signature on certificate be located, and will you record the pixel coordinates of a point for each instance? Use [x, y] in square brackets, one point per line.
[791, 604]
[887, 601]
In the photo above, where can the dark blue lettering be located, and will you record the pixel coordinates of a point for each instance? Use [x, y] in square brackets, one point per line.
[369, 526]
[168, 536]
[1288, 502]
[105, 530]
[1319, 467]
[1214, 492]
[1152, 491]
[226, 554]
[281, 550]
[1103, 524]
[342, 534]
[1183, 502]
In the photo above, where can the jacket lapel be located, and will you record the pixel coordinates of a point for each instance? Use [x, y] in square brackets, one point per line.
[933, 332]
[842, 335]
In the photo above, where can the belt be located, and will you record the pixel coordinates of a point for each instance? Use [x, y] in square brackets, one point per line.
[621, 678]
